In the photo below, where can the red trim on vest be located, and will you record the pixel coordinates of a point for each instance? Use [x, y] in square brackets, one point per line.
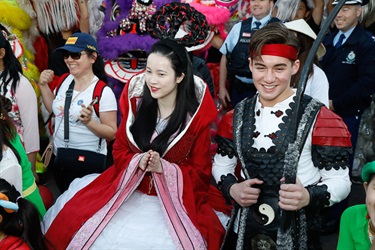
[226, 126]
[330, 130]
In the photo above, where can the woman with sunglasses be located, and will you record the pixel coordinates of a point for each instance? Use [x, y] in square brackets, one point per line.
[86, 69]
[24, 111]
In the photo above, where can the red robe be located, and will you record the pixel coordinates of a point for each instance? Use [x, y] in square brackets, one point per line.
[191, 153]
[13, 243]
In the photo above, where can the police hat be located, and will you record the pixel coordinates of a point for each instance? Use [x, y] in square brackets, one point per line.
[361, 2]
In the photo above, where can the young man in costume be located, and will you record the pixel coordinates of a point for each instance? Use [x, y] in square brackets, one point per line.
[291, 167]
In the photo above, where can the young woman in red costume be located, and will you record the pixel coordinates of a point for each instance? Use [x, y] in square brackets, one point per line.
[157, 188]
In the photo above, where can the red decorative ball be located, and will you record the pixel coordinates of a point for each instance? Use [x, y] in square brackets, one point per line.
[46, 195]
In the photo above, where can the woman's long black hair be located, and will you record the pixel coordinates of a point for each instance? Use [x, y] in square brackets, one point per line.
[186, 103]
[7, 128]
[98, 66]
[25, 222]
[12, 67]
[306, 43]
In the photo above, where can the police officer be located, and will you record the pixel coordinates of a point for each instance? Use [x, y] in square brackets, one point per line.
[234, 63]
[349, 64]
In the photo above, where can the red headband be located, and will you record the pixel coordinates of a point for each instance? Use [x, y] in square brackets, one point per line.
[282, 50]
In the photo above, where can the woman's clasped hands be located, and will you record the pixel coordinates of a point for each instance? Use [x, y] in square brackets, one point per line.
[150, 162]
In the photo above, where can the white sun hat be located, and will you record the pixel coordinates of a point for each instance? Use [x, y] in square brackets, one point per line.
[301, 26]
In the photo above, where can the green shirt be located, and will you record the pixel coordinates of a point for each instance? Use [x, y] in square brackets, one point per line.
[30, 190]
[354, 229]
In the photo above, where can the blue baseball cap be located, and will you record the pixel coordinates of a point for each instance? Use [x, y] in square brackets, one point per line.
[79, 42]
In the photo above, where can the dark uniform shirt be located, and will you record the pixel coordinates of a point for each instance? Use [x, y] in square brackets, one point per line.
[351, 72]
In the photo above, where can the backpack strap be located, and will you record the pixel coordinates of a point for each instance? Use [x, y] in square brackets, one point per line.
[97, 94]
[98, 91]
[56, 86]
[60, 80]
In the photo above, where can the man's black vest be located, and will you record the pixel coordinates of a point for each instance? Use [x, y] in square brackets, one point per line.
[237, 60]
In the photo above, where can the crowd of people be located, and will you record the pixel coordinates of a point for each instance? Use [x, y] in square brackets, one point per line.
[141, 166]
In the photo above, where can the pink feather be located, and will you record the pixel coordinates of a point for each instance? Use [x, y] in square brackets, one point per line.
[215, 16]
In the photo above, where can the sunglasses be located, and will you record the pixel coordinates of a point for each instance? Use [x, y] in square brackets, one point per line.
[73, 55]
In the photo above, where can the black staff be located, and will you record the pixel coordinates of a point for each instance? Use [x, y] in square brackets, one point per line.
[287, 216]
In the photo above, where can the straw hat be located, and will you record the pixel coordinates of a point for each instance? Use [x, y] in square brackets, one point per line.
[301, 26]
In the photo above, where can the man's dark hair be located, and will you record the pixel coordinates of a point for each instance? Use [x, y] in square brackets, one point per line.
[272, 33]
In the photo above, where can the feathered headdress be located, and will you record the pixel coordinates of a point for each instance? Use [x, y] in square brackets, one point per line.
[21, 29]
[216, 16]
[56, 15]
[171, 17]
[122, 29]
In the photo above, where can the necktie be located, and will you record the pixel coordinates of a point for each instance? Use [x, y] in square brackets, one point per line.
[257, 26]
[339, 42]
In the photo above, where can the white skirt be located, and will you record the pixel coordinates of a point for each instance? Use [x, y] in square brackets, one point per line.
[138, 224]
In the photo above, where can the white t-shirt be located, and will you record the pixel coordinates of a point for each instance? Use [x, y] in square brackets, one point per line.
[10, 169]
[24, 113]
[80, 136]
[317, 86]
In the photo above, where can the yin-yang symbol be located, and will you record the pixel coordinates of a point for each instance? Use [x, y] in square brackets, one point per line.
[265, 214]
